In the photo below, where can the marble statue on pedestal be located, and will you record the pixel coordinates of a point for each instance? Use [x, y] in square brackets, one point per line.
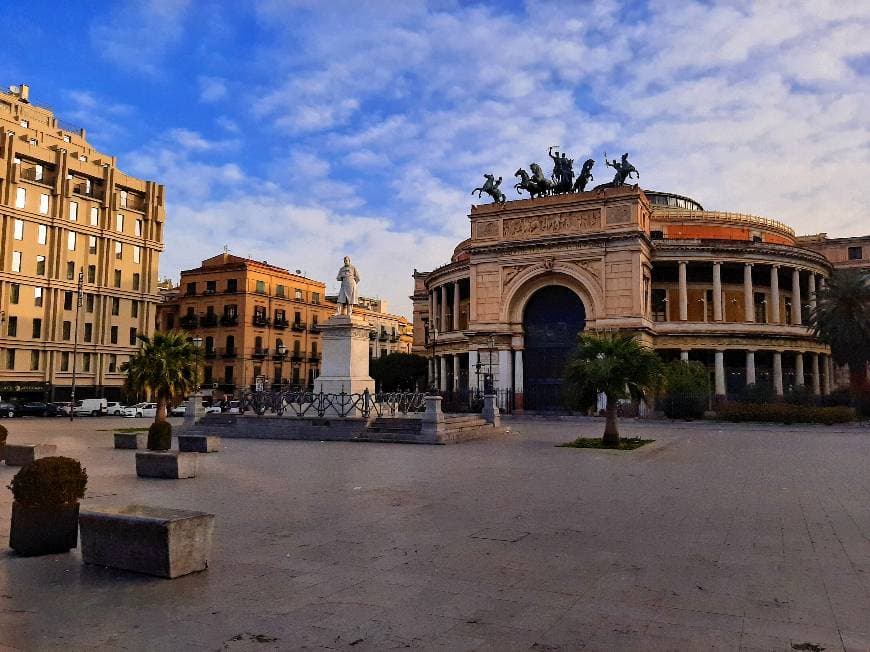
[349, 277]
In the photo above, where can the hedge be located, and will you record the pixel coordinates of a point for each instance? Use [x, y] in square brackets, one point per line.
[784, 413]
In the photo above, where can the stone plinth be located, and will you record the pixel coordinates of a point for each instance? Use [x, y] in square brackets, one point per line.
[22, 454]
[490, 410]
[166, 464]
[131, 440]
[199, 443]
[345, 365]
[152, 540]
[193, 411]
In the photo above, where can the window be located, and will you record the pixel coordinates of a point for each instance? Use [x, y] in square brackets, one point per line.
[89, 332]
[231, 344]
[136, 281]
[207, 374]
[14, 290]
[209, 344]
[232, 285]
[70, 270]
[787, 304]
[92, 273]
[117, 278]
[40, 265]
[228, 375]
[10, 358]
[137, 254]
[43, 204]
[279, 290]
[41, 234]
[137, 228]
[71, 241]
[12, 327]
[297, 294]
[16, 261]
[113, 363]
[37, 297]
[191, 289]
[67, 330]
[67, 300]
[297, 317]
[133, 335]
[89, 303]
[92, 244]
[64, 361]
[760, 303]
[113, 335]
[314, 319]
[25, 123]
[119, 250]
[134, 308]
[659, 304]
[261, 287]
[119, 223]
[315, 298]
[210, 287]
[122, 198]
[95, 216]
[86, 361]
[66, 138]
[855, 253]
[20, 201]
[116, 306]
[73, 211]
[34, 360]
[18, 230]
[37, 329]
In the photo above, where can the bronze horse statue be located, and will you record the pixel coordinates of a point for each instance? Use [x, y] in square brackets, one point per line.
[585, 176]
[491, 188]
[536, 185]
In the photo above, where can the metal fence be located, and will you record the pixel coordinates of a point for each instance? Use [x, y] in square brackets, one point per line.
[321, 404]
[471, 400]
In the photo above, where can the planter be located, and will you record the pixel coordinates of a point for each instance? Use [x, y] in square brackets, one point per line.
[170, 464]
[152, 540]
[23, 454]
[199, 443]
[43, 530]
[131, 440]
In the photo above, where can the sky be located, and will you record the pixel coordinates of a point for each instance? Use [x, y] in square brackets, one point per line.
[298, 132]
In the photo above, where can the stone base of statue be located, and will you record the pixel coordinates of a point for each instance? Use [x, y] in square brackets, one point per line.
[345, 365]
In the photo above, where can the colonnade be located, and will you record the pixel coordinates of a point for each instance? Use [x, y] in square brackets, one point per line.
[506, 364]
[438, 302]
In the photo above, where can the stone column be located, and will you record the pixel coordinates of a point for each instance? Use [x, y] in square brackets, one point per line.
[518, 371]
[799, 369]
[684, 356]
[826, 374]
[796, 297]
[814, 371]
[431, 309]
[774, 294]
[748, 302]
[719, 359]
[504, 369]
[811, 290]
[442, 373]
[456, 368]
[456, 305]
[684, 293]
[472, 369]
[432, 379]
[750, 367]
[777, 373]
[444, 324]
[717, 291]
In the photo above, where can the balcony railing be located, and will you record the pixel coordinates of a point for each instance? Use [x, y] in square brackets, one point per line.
[261, 353]
[209, 321]
[229, 320]
[297, 355]
[210, 354]
[315, 328]
[188, 322]
[315, 356]
[260, 322]
[373, 335]
[383, 337]
[280, 324]
[277, 355]
[230, 290]
[229, 353]
[298, 326]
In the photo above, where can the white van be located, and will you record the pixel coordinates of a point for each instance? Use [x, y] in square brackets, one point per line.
[96, 407]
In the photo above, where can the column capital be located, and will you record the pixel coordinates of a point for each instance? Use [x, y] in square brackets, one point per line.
[775, 266]
[748, 264]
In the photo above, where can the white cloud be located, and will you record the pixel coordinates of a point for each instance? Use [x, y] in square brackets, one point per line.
[211, 89]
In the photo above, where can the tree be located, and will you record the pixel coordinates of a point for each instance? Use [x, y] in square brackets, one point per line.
[687, 389]
[615, 364]
[398, 371]
[166, 367]
[841, 319]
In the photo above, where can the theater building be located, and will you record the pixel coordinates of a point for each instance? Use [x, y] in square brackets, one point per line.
[729, 290]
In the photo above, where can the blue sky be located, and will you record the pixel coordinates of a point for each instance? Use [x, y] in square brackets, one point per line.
[297, 132]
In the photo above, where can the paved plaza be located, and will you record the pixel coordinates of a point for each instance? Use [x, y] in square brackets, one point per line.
[715, 537]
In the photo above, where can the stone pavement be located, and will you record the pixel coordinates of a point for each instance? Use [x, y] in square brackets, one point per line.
[716, 537]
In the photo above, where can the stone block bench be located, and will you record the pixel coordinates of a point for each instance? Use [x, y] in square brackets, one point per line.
[166, 464]
[131, 440]
[21, 454]
[199, 443]
[151, 540]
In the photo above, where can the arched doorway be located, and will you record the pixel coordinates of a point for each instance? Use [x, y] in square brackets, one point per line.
[552, 318]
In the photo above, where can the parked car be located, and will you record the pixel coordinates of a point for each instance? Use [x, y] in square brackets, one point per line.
[235, 407]
[38, 409]
[64, 408]
[8, 409]
[94, 407]
[114, 408]
[140, 410]
[178, 410]
[213, 409]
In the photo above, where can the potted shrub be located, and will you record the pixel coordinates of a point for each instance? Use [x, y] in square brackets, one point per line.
[160, 436]
[45, 509]
[3, 435]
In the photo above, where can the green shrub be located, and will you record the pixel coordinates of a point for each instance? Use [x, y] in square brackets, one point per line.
[686, 390]
[799, 396]
[784, 413]
[3, 434]
[755, 393]
[160, 436]
[50, 481]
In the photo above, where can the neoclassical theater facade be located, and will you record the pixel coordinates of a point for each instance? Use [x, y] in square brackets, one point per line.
[729, 290]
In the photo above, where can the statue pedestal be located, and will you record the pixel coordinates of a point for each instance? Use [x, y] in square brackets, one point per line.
[345, 366]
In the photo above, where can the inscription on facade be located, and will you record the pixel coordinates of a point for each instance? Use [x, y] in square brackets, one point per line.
[487, 229]
[557, 224]
[619, 214]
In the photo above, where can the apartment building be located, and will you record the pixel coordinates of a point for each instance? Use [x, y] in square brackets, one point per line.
[260, 322]
[67, 211]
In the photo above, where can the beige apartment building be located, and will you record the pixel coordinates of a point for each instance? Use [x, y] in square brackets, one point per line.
[260, 321]
[66, 209]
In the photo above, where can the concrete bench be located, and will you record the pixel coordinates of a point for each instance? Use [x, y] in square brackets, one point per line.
[151, 540]
[21, 454]
[199, 443]
[131, 440]
[166, 464]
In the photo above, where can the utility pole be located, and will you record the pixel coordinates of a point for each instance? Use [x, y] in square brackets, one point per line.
[72, 396]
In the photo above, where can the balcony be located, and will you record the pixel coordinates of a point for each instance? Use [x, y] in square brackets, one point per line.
[315, 328]
[280, 324]
[188, 322]
[209, 291]
[299, 326]
[261, 353]
[229, 353]
[315, 356]
[231, 290]
[229, 320]
[260, 322]
[209, 321]
[394, 338]
[278, 356]
[297, 356]
[383, 337]
[373, 335]
[210, 354]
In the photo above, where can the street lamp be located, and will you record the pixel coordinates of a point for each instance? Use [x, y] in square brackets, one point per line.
[433, 385]
[197, 395]
[282, 352]
[487, 381]
[72, 394]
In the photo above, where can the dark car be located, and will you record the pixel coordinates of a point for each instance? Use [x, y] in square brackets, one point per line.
[38, 409]
[8, 409]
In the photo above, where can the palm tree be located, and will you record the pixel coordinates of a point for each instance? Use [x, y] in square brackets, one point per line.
[841, 318]
[615, 364]
[166, 366]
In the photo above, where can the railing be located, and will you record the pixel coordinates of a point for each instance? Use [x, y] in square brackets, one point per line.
[229, 353]
[261, 353]
[280, 324]
[260, 321]
[298, 326]
[315, 328]
[722, 216]
[209, 321]
[229, 320]
[210, 353]
[320, 404]
[188, 323]
[315, 356]
[471, 400]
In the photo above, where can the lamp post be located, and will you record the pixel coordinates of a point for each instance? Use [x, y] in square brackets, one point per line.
[433, 335]
[282, 351]
[197, 395]
[487, 382]
[72, 394]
